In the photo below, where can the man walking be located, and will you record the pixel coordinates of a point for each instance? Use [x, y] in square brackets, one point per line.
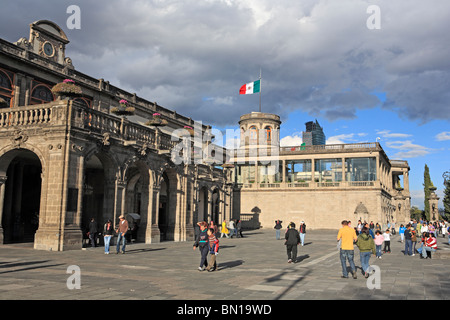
[347, 236]
[292, 241]
[408, 241]
[122, 229]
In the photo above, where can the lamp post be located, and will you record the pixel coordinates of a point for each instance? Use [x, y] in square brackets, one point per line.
[446, 176]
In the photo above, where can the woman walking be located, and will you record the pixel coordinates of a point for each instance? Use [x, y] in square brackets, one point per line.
[302, 231]
[108, 231]
[366, 246]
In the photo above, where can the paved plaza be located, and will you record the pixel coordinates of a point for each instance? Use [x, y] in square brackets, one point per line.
[251, 268]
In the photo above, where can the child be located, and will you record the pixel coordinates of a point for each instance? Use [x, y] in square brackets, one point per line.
[202, 242]
[387, 242]
[379, 239]
[213, 250]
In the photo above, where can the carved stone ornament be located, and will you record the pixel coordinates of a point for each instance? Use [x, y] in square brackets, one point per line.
[19, 137]
[105, 140]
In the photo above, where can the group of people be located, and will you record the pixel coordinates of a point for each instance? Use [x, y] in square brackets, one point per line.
[292, 236]
[369, 240]
[425, 233]
[207, 243]
[121, 230]
[231, 228]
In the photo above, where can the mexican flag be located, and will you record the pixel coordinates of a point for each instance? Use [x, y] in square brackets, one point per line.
[252, 87]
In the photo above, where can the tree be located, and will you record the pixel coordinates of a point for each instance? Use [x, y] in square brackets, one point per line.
[426, 188]
[416, 213]
[446, 199]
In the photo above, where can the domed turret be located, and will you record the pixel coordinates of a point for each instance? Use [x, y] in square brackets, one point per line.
[260, 129]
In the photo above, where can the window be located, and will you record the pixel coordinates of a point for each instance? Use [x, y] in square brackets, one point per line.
[361, 169]
[299, 171]
[40, 93]
[6, 85]
[268, 135]
[253, 135]
[328, 170]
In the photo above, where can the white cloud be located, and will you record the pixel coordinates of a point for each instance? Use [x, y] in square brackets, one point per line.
[443, 136]
[345, 138]
[291, 141]
[341, 139]
[388, 134]
[408, 149]
[317, 56]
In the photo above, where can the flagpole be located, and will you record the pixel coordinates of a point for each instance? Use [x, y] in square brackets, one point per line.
[259, 89]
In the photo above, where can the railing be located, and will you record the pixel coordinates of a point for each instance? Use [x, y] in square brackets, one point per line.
[331, 147]
[309, 185]
[55, 113]
[25, 116]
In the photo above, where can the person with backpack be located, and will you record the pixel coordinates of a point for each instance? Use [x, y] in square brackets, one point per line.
[366, 246]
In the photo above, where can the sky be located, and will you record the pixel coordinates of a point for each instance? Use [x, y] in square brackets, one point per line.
[367, 70]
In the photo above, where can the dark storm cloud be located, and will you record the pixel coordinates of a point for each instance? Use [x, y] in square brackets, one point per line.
[317, 56]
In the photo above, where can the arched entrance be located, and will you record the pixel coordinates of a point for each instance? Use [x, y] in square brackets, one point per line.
[22, 195]
[202, 214]
[167, 205]
[98, 191]
[215, 211]
[137, 199]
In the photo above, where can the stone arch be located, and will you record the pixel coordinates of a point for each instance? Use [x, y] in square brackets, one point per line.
[362, 213]
[100, 173]
[20, 194]
[137, 177]
[202, 203]
[216, 212]
[168, 203]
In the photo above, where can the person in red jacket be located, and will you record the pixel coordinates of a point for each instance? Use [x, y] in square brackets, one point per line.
[430, 244]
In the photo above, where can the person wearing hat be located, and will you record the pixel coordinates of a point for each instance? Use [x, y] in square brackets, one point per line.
[122, 229]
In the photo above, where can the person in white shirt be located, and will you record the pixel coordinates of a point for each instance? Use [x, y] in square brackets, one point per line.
[387, 242]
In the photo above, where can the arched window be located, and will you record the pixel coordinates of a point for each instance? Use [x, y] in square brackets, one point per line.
[6, 85]
[268, 135]
[40, 93]
[84, 101]
[253, 135]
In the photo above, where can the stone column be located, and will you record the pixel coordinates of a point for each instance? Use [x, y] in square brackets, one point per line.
[2, 199]
[433, 201]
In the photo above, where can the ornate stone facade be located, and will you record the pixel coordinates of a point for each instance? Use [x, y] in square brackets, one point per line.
[65, 161]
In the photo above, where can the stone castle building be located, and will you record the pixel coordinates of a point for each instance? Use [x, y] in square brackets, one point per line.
[319, 184]
[65, 161]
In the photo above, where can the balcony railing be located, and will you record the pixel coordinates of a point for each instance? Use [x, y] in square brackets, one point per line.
[55, 114]
[310, 185]
[330, 147]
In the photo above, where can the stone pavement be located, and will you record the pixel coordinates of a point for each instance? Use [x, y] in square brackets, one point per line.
[251, 268]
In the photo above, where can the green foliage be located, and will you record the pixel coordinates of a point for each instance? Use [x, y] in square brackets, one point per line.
[426, 188]
[446, 201]
[416, 213]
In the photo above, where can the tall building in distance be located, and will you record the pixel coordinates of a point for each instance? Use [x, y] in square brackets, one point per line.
[313, 136]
